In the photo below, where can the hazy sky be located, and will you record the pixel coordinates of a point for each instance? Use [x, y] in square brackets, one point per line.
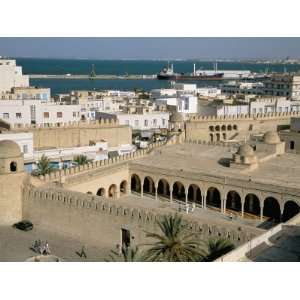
[151, 48]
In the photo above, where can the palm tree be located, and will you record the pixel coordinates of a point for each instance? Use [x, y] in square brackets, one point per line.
[173, 244]
[43, 165]
[80, 159]
[216, 248]
[128, 254]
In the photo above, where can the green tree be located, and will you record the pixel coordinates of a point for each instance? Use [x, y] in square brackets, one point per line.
[128, 254]
[216, 247]
[173, 244]
[80, 159]
[43, 166]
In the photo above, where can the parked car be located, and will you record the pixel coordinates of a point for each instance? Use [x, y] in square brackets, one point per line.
[24, 225]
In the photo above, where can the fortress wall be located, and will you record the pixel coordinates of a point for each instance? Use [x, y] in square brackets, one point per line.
[197, 128]
[95, 220]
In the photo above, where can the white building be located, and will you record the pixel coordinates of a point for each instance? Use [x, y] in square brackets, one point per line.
[208, 92]
[187, 104]
[11, 75]
[147, 121]
[23, 139]
[26, 112]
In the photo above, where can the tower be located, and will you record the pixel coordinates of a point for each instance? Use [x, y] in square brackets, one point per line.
[12, 177]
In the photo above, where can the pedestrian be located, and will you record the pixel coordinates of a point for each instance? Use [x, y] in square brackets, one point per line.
[47, 249]
[83, 252]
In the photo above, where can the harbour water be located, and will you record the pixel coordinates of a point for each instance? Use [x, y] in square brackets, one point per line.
[122, 67]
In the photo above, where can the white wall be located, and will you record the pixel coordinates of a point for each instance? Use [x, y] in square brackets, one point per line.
[144, 121]
[187, 104]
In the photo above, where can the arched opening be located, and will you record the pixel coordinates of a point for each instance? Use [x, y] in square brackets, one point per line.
[194, 194]
[148, 186]
[178, 191]
[224, 136]
[218, 137]
[112, 191]
[223, 127]
[213, 197]
[211, 128]
[101, 192]
[163, 188]
[252, 205]
[233, 201]
[292, 145]
[123, 187]
[291, 209]
[272, 209]
[135, 183]
[229, 127]
[235, 127]
[211, 137]
[217, 128]
[13, 166]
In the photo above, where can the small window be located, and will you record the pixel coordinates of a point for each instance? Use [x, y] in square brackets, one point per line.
[125, 238]
[46, 115]
[146, 123]
[25, 149]
[59, 114]
[5, 115]
[13, 166]
[18, 115]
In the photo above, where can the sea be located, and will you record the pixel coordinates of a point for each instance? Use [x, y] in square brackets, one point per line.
[123, 67]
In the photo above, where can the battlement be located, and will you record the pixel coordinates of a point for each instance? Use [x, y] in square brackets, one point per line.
[62, 175]
[242, 117]
[81, 205]
[80, 124]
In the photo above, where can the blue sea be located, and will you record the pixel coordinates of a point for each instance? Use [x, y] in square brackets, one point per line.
[122, 67]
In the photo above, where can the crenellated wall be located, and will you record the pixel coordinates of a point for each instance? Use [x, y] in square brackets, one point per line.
[78, 134]
[95, 220]
[222, 128]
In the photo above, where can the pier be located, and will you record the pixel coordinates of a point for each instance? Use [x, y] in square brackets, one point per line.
[97, 77]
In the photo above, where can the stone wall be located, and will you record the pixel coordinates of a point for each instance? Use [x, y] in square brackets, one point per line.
[96, 220]
[201, 128]
[79, 134]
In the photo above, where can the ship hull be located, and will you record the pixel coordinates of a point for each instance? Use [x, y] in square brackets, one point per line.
[189, 77]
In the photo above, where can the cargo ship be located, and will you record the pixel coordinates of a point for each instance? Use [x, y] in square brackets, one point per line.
[168, 73]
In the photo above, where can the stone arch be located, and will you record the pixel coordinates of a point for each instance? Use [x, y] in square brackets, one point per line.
[101, 192]
[218, 137]
[163, 187]
[211, 137]
[229, 127]
[13, 166]
[194, 193]
[291, 208]
[223, 127]
[252, 204]
[178, 191]
[235, 127]
[272, 209]
[112, 191]
[217, 128]
[213, 197]
[211, 128]
[224, 136]
[233, 201]
[135, 183]
[123, 187]
[148, 185]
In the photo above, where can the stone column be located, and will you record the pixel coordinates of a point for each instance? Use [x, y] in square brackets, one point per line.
[242, 203]
[186, 196]
[261, 210]
[171, 193]
[156, 188]
[142, 188]
[204, 201]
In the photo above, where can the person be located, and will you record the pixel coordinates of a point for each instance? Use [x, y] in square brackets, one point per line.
[83, 252]
[47, 249]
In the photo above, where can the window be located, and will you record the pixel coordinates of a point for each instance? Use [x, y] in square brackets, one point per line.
[292, 145]
[146, 123]
[254, 110]
[136, 123]
[25, 149]
[186, 105]
[163, 122]
[59, 114]
[13, 166]
[18, 115]
[46, 115]
[74, 114]
[154, 122]
[5, 115]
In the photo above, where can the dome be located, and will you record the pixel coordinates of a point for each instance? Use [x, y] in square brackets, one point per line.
[176, 117]
[245, 150]
[9, 149]
[271, 137]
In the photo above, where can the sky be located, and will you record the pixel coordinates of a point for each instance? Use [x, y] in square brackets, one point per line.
[151, 48]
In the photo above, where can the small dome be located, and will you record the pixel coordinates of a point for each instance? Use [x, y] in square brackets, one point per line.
[245, 150]
[9, 149]
[271, 137]
[176, 117]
